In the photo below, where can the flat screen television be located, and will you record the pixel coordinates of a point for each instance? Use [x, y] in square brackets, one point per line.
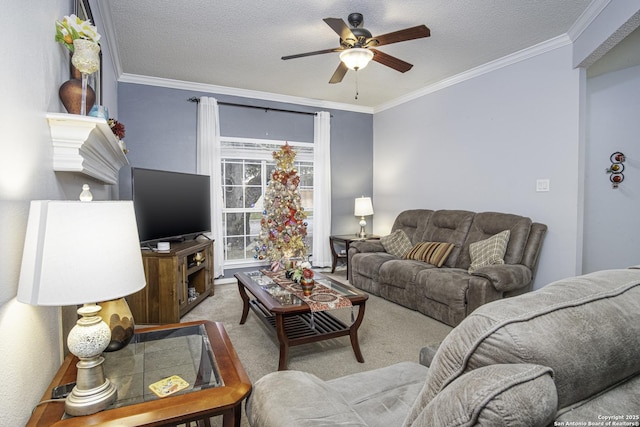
[169, 206]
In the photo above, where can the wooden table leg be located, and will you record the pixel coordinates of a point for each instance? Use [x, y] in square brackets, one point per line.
[346, 248]
[353, 333]
[206, 422]
[245, 303]
[284, 342]
[231, 417]
[334, 254]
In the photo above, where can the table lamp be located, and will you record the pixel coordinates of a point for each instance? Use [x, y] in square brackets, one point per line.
[81, 253]
[363, 207]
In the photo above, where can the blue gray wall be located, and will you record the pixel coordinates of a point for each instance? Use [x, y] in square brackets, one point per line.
[161, 134]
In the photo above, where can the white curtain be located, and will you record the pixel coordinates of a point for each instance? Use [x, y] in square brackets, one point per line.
[321, 189]
[208, 163]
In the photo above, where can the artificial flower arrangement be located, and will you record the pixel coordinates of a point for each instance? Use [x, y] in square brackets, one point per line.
[117, 128]
[72, 28]
[302, 270]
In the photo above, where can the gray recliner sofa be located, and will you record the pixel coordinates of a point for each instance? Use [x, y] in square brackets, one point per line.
[565, 354]
[449, 293]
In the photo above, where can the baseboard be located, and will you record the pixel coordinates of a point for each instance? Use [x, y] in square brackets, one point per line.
[225, 281]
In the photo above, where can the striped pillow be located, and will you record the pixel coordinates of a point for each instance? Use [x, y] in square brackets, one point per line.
[435, 253]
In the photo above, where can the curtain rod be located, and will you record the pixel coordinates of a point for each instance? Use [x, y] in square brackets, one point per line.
[231, 104]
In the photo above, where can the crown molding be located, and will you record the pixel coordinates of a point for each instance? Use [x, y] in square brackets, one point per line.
[243, 93]
[505, 61]
[109, 35]
[586, 18]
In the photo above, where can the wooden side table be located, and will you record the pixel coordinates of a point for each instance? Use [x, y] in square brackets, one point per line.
[347, 239]
[199, 352]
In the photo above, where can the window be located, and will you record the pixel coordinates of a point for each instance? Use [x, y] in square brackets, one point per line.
[247, 165]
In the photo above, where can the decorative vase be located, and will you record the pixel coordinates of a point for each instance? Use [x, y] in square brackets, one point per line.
[117, 314]
[86, 58]
[71, 92]
[307, 286]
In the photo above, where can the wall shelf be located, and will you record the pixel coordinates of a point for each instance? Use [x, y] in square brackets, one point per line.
[87, 145]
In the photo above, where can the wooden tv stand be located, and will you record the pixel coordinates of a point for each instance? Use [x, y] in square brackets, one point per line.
[170, 276]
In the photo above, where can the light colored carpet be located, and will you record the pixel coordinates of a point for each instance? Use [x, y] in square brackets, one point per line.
[389, 334]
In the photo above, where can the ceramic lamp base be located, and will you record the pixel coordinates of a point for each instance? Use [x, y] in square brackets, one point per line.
[93, 392]
[87, 340]
[363, 225]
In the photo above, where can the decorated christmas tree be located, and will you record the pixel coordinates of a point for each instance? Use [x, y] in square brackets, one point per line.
[283, 227]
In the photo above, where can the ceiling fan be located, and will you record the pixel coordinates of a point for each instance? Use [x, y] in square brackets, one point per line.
[357, 46]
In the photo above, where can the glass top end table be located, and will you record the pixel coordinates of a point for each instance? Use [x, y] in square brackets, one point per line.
[155, 355]
[199, 352]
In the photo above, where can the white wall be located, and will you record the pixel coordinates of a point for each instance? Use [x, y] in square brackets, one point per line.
[481, 144]
[611, 231]
[33, 68]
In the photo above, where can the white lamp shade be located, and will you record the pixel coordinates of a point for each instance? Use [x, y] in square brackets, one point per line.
[356, 58]
[80, 252]
[363, 206]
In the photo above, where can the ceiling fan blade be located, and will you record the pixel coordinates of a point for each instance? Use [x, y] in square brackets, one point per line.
[412, 33]
[391, 61]
[317, 52]
[341, 28]
[338, 75]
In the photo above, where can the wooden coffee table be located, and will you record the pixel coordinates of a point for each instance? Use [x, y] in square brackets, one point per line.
[199, 352]
[291, 318]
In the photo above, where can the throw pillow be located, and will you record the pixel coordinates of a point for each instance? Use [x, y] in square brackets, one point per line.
[396, 243]
[510, 394]
[435, 253]
[489, 251]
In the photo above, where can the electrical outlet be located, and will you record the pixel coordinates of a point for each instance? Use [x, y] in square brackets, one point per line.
[542, 185]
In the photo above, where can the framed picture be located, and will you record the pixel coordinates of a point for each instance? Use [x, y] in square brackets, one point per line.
[83, 11]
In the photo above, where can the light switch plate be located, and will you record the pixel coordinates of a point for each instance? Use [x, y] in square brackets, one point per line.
[542, 185]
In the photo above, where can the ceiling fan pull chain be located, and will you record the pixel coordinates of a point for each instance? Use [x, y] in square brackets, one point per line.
[356, 84]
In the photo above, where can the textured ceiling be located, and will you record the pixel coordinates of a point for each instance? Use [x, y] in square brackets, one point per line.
[238, 44]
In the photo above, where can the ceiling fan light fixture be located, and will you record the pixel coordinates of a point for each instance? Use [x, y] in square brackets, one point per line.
[356, 58]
